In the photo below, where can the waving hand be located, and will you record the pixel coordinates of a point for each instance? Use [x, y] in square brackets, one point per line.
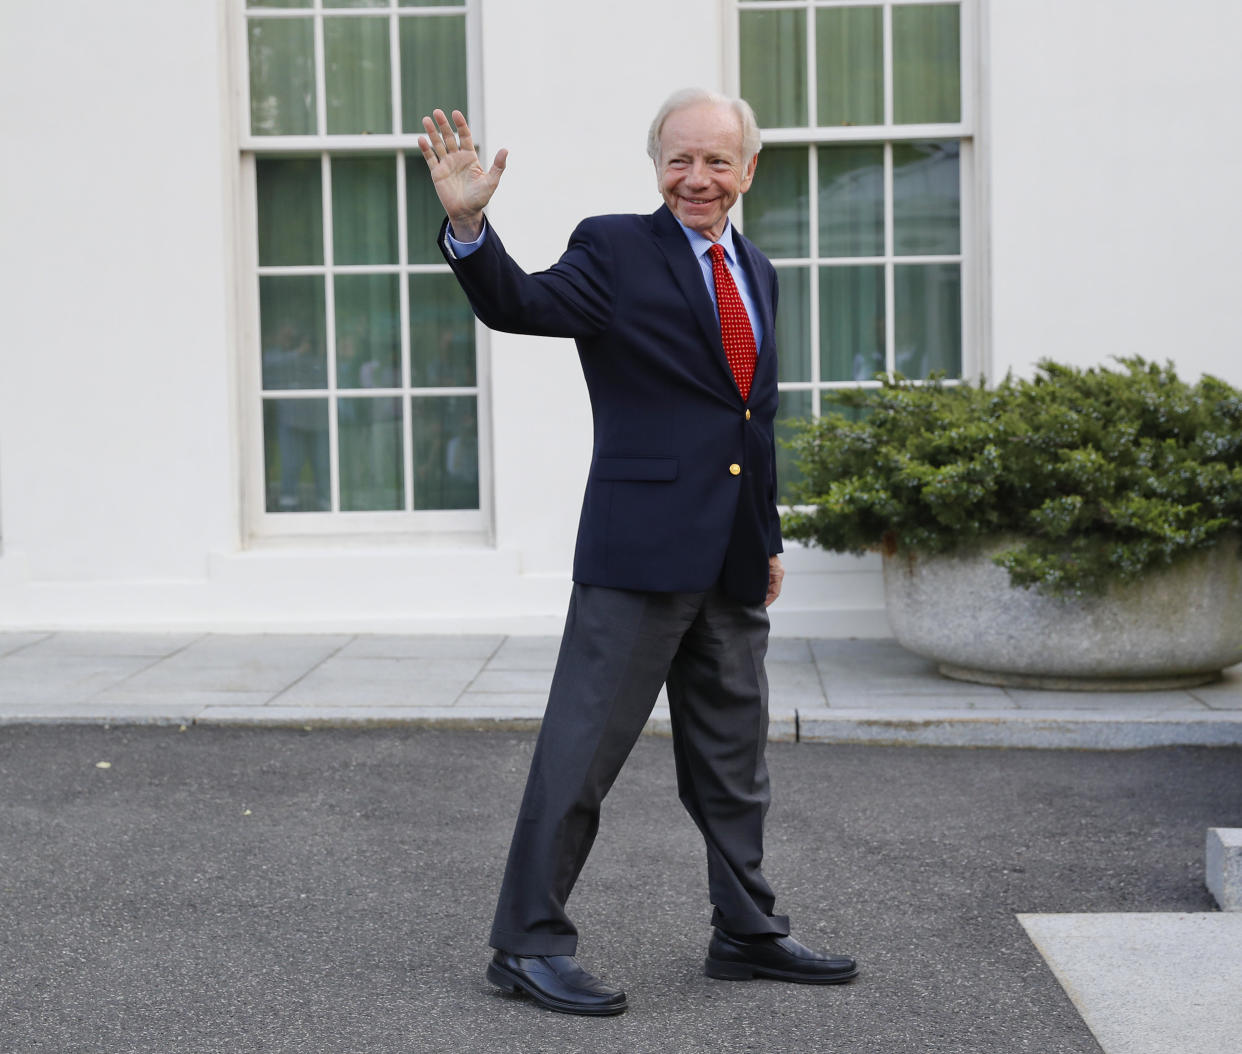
[463, 186]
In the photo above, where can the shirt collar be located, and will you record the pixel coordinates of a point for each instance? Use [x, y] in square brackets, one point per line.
[700, 244]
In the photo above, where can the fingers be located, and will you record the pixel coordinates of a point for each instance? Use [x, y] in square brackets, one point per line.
[463, 130]
[776, 572]
[444, 138]
[439, 140]
[429, 153]
[441, 137]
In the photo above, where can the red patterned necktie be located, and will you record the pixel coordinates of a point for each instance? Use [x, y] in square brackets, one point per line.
[735, 332]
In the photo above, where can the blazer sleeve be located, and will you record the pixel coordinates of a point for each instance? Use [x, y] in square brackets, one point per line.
[574, 297]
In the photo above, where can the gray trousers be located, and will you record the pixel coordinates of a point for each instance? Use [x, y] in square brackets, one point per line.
[618, 649]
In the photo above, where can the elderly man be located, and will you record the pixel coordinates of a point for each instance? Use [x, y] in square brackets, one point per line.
[678, 542]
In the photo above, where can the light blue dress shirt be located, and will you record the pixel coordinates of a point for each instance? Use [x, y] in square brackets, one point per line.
[699, 244]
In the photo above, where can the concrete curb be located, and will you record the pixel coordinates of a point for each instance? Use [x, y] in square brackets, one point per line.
[1027, 729]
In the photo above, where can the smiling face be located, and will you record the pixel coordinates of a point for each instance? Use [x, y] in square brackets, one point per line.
[700, 167]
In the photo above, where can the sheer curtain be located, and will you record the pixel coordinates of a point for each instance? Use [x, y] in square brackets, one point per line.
[340, 407]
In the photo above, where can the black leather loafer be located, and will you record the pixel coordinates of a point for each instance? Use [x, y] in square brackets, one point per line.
[557, 982]
[781, 958]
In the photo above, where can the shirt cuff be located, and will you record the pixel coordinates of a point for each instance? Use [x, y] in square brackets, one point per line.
[460, 250]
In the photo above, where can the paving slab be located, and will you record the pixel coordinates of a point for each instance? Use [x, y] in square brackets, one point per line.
[1138, 702]
[1149, 983]
[421, 646]
[531, 704]
[794, 684]
[191, 701]
[269, 662]
[1225, 694]
[789, 649]
[29, 679]
[526, 653]
[367, 682]
[11, 642]
[149, 644]
[522, 681]
[850, 667]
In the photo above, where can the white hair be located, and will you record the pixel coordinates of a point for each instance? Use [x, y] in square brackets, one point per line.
[687, 97]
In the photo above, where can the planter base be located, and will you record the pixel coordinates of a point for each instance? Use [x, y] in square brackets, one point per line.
[1174, 628]
[1077, 684]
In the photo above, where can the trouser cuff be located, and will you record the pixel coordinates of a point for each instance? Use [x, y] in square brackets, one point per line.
[534, 943]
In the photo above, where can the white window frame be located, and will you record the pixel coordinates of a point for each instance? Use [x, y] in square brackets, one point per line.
[973, 249]
[436, 525]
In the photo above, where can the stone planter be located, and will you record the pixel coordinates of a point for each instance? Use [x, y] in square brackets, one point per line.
[1176, 628]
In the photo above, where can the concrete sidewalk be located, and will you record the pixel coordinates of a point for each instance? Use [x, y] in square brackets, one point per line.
[836, 691]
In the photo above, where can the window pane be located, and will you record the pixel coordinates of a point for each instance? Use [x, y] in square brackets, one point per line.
[423, 212]
[773, 60]
[282, 76]
[279, 3]
[441, 333]
[851, 323]
[364, 210]
[926, 64]
[432, 3]
[794, 406]
[849, 51]
[777, 206]
[446, 452]
[290, 206]
[355, 3]
[793, 324]
[295, 448]
[926, 198]
[369, 436]
[357, 85]
[368, 331]
[928, 303]
[291, 327]
[851, 201]
[433, 67]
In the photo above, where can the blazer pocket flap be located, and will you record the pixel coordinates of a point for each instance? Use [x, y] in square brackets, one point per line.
[636, 468]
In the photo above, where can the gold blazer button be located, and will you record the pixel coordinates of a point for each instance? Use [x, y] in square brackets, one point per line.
[747, 415]
[735, 470]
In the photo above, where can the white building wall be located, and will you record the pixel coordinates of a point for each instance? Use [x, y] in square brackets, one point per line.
[1114, 172]
[116, 415]
[1109, 169]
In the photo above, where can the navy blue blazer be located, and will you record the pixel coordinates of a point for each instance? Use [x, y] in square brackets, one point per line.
[682, 486]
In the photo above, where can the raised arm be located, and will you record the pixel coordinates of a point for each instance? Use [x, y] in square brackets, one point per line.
[463, 186]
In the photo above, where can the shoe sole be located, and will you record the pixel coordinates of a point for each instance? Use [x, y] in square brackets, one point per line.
[506, 981]
[722, 970]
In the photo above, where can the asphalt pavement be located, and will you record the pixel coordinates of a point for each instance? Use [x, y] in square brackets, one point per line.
[266, 890]
[203, 848]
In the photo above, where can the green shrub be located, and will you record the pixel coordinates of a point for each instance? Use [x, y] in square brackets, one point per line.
[1096, 475]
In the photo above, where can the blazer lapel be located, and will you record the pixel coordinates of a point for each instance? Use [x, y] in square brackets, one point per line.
[672, 241]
